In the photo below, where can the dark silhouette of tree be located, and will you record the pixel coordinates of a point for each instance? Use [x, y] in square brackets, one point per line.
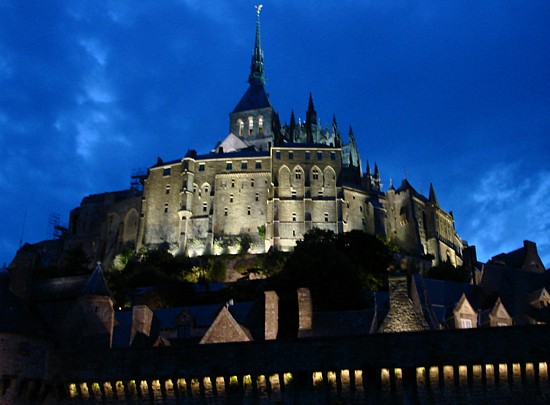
[446, 271]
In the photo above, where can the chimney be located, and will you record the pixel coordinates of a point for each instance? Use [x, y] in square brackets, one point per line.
[142, 318]
[271, 315]
[304, 312]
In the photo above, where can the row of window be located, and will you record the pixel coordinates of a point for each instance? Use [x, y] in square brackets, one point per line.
[240, 123]
[244, 165]
[307, 155]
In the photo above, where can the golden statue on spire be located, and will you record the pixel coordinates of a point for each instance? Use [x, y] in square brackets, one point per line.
[258, 8]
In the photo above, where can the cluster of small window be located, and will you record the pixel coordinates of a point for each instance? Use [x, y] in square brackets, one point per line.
[244, 165]
[250, 120]
[307, 155]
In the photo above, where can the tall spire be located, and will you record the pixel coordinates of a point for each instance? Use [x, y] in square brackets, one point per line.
[257, 68]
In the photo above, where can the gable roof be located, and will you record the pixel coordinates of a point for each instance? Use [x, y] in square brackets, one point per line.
[226, 329]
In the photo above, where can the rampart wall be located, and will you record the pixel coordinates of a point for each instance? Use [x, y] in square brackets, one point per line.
[497, 364]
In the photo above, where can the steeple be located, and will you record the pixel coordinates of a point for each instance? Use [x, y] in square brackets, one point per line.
[257, 67]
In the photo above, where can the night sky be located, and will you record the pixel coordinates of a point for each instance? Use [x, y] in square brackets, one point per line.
[456, 93]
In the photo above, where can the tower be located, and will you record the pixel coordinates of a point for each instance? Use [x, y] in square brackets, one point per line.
[253, 118]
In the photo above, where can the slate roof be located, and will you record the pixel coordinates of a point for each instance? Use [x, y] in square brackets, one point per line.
[254, 98]
[344, 323]
[65, 288]
[514, 287]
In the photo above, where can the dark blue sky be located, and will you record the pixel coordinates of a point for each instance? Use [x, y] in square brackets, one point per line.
[451, 92]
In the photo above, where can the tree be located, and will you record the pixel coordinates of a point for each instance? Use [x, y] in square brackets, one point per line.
[446, 271]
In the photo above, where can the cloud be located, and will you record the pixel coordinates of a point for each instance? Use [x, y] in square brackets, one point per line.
[507, 205]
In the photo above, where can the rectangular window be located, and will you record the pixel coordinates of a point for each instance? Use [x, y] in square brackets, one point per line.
[167, 189]
[258, 164]
[293, 217]
[248, 211]
[465, 323]
[166, 172]
[326, 216]
[294, 194]
[278, 155]
[320, 155]
[257, 196]
[332, 155]
[225, 212]
[204, 207]
[201, 167]
[291, 155]
[251, 182]
[307, 154]
[229, 166]
[244, 165]
[166, 208]
[231, 198]
[233, 183]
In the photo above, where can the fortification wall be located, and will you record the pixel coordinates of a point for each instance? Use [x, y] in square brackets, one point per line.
[472, 364]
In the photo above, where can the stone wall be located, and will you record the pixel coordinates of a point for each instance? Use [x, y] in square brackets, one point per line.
[475, 364]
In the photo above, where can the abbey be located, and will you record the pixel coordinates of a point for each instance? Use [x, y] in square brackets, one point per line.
[267, 184]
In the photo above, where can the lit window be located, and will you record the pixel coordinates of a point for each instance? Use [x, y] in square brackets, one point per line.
[229, 166]
[465, 323]
[201, 167]
[260, 125]
[250, 125]
[241, 127]
[244, 165]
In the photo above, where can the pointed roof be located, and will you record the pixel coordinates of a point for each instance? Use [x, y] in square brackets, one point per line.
[96, 284]
[433, 197]
[231, 143]
[226, 329]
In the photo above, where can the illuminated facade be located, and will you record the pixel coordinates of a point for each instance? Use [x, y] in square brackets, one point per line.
[266, 185]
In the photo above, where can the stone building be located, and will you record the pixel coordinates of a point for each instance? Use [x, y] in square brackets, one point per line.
[267, 184]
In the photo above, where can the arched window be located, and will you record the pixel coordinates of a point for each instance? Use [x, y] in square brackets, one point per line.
[260, 125]
[240, 123]
[250, 125]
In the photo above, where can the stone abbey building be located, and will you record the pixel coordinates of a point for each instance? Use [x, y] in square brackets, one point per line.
[262, 188]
